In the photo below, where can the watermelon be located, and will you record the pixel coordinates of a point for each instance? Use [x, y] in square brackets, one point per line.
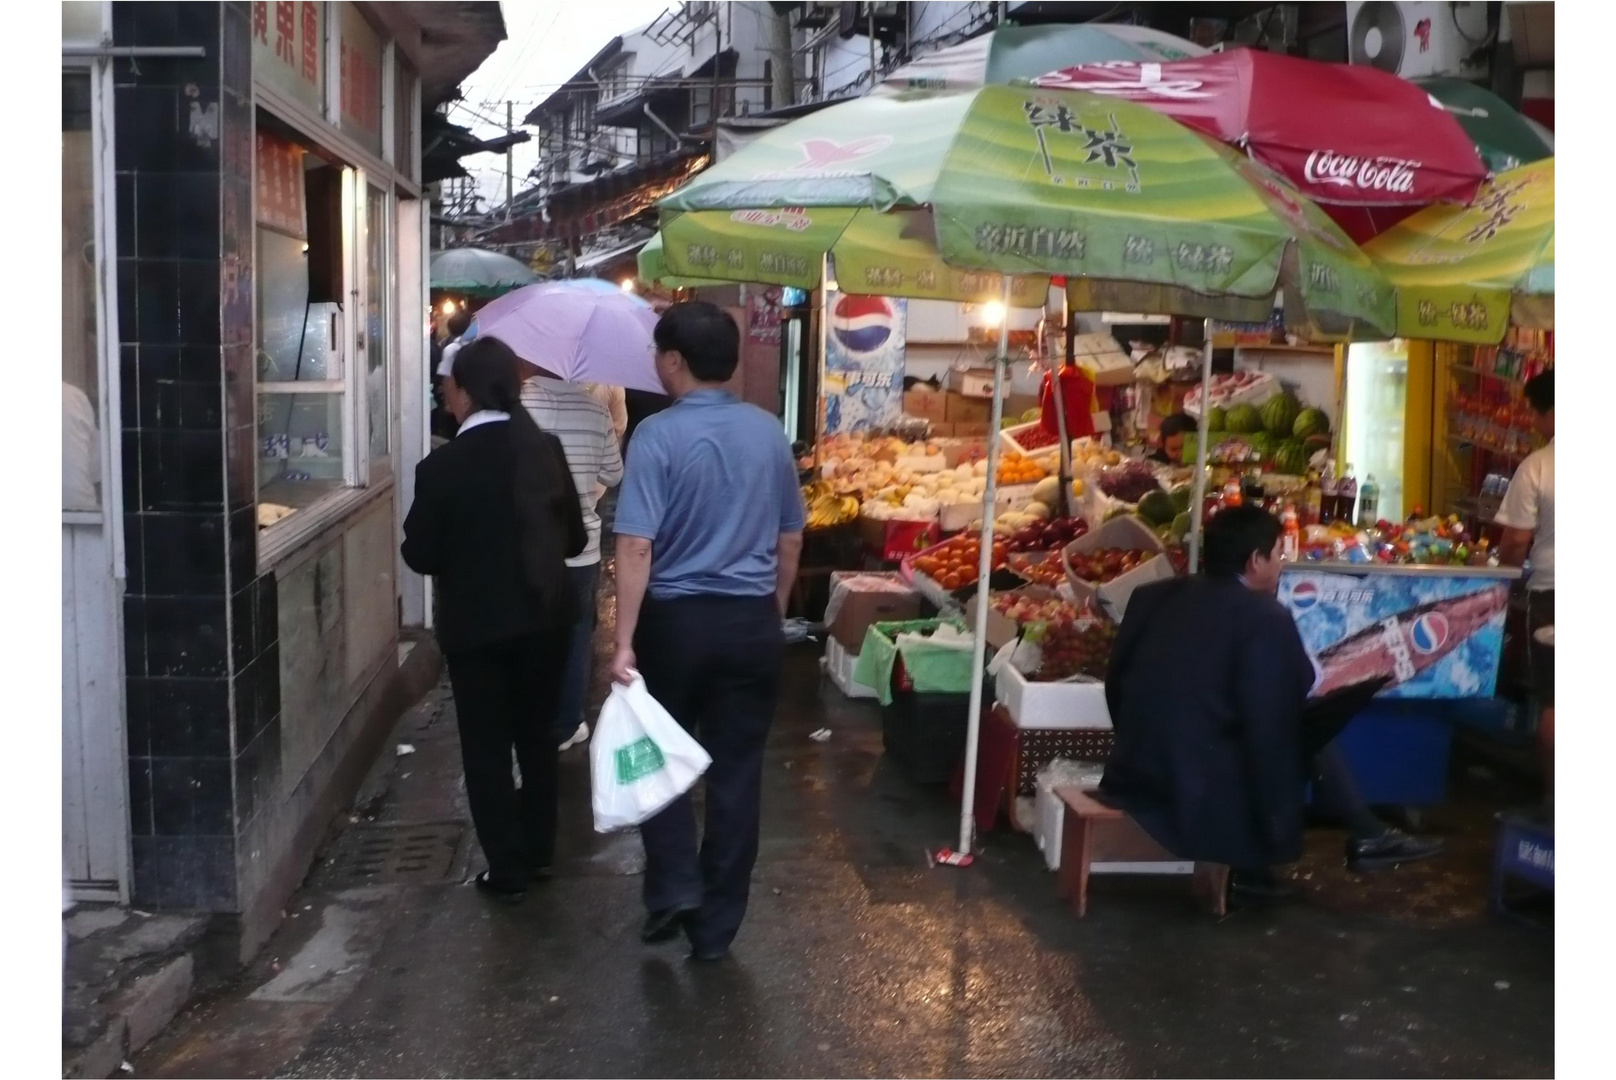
[1217, 418]
[1181, 525]
[1181, 496]
[1264, 443]
[1244, 419]
[1291, 458]
[1157, 508]
[1314, 443]
[1279, 414]
[1310, 422]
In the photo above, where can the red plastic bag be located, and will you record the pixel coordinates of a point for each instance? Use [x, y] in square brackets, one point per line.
[1077, 390]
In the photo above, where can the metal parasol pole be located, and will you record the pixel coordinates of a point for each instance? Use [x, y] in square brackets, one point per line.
[819, 381]
[979, 646]
[1198, 510]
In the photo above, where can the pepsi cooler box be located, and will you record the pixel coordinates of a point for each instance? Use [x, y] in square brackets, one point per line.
[1434, 631]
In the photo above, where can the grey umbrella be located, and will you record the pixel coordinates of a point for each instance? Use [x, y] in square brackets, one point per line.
[478, 272]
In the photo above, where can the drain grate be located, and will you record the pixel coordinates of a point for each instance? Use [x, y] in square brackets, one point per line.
[392, 855]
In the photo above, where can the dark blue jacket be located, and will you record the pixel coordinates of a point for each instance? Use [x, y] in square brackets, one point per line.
[1206, 689]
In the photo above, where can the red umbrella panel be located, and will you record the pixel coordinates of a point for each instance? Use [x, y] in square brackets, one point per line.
[1368, 146]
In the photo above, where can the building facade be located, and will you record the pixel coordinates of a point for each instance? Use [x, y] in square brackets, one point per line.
[244, 400]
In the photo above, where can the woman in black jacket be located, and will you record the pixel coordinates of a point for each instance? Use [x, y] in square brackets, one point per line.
[495, 517]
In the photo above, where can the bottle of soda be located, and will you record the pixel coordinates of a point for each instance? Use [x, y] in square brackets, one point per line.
[1327, 494]
[1292, 548]
[1312, 498]
[1346, 497]
[1368, 503]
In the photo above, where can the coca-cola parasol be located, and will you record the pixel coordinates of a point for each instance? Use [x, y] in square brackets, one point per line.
[1353, 139]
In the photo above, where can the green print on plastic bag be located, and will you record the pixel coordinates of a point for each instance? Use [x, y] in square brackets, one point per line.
[638, 760]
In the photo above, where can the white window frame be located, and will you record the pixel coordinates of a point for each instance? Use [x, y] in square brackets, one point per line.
[363, 173]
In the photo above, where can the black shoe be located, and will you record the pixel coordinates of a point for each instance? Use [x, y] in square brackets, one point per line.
[665, 925]
[1390, 848]
[1248, 889]
[708, 956]
[505, 894]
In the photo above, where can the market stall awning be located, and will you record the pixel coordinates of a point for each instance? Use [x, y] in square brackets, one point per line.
[1467, 273]
[476, 272]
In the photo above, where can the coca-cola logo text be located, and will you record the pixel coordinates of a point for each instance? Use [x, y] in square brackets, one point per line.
[1392, 175]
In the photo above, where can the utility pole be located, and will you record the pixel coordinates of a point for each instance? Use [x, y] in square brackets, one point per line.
[870, 10]
[509, 160]
[718, 64]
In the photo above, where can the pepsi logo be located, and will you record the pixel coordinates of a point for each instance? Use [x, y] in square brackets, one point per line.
[825, 154]
[1429, 632]
[863, 324]
[1304, 595]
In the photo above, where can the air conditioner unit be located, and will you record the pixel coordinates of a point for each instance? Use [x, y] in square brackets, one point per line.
[1415, 40]
[813, 16]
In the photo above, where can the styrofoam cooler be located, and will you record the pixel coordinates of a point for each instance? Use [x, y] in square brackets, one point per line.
[1051, 817]
[839, 665]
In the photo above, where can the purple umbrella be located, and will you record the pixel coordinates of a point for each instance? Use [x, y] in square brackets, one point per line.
[579, 331]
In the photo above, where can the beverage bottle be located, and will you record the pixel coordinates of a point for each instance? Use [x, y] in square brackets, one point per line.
[1231, 490]
[1292, 549]
[1312, 499]
[1327, 495]
[1346, 497]
[1368, 503]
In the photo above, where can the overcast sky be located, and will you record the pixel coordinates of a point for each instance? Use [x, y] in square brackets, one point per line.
[546, 42]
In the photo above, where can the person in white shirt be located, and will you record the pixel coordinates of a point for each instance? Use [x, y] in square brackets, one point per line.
[81, 451]
[1527, 515]
[592, 442]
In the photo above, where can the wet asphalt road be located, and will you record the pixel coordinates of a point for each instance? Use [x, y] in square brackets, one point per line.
[858, 960]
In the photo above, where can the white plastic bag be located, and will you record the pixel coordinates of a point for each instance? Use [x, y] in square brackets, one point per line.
[640, 760]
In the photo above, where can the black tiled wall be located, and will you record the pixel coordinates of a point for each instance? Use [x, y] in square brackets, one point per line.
[200, 623]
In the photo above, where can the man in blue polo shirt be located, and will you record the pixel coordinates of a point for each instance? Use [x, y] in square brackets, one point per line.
[709, 531]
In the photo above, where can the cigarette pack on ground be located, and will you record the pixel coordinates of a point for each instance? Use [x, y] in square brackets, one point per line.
[1130, 534]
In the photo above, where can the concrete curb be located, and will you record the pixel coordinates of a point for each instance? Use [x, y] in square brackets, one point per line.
[138, 1014]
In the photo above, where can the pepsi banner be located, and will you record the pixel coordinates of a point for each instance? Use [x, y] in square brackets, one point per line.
[1434, 634]
[864, 362]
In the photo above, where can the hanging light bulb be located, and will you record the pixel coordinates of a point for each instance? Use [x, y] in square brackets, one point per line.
[992, 313]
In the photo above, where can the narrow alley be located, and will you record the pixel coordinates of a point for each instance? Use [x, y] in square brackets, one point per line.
[856, 959]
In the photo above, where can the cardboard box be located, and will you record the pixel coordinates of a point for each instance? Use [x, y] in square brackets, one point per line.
[891, 541]
[926, 405]
[1001, 628]
[972, 382]
[971, 430]
[960, 409]
[1057, 706]
[859, 600]
[1126, 532]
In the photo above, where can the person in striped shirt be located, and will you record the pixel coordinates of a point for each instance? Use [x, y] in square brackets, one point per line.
[574, 415]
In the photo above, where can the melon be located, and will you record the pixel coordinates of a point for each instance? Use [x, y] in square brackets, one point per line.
[1290, 458]
[1264, 443]
[1181, 525]
[1279, 414]
[1181, 496]
[1244, 419]
[1157, 508]
[1217, 418]
[1310, 422]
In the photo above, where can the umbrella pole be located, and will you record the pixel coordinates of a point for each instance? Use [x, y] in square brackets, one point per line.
[1058, 393]
[979, 646]
[819, 379]
[1198, 510]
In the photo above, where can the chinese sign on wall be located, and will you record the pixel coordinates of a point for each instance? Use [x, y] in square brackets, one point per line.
[361, 79]
[280, 185]
[864, 362]
[289, 49]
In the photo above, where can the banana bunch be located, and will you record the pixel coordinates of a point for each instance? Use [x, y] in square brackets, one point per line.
[826, 508]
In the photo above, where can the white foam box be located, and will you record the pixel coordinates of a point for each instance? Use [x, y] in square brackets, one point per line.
[839, 665]
[1052, 706]
[1129, 532]
[956, 516]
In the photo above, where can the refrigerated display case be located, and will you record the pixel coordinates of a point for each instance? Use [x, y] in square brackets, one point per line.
[1375, 421]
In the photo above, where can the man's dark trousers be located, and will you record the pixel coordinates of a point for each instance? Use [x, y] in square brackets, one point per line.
[714, 663]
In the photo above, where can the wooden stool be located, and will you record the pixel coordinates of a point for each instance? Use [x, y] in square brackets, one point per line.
[1095, 833]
